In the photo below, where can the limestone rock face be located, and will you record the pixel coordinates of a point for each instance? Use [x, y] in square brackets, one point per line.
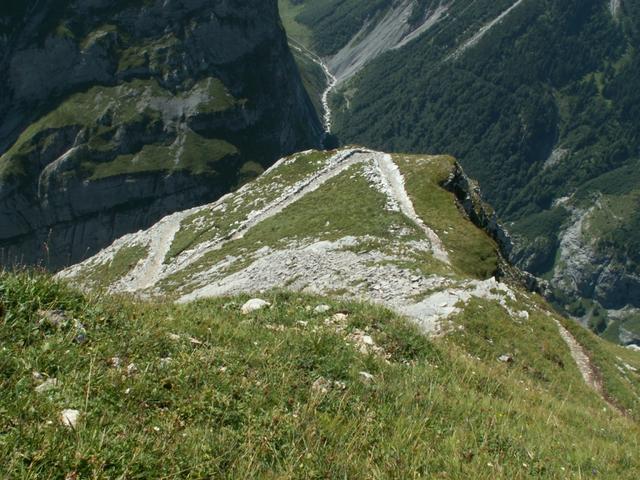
[114, 113]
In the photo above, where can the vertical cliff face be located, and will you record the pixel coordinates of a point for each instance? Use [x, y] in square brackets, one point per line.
[114, 113]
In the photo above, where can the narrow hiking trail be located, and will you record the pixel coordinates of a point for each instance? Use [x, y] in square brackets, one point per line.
[146, 273]
[581, 358]
[391, 175]
[589, 373]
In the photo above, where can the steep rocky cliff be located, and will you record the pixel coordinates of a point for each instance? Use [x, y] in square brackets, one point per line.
[114, 113]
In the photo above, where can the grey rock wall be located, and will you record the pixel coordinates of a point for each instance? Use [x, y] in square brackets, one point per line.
[53, 210]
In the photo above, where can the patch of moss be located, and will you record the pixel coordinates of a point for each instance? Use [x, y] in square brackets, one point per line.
[193, 153]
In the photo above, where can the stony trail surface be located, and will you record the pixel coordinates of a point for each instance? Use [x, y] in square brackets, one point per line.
[581, 358]
[589, 372]
[392, 176]
[148, 271]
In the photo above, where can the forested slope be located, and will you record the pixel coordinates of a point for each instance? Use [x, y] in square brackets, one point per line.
[537, 100]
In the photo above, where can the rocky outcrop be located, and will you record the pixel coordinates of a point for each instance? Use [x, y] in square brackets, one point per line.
[113, 114]
[469, 196]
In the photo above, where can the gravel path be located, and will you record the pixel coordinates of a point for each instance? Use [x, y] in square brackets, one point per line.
[395, 181]
[582, 360]
[147, 272]
[589, 372]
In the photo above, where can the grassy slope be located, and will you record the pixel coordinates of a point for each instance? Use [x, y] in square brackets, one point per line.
[241, 404]
[84, 110]
[472, 252]
[504, 106]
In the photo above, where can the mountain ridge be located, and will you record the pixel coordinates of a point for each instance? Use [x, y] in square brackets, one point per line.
[193, 254]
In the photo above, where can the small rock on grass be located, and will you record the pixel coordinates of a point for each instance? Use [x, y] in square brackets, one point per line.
[506, 358]
[322, 308]
[69, 418]
[47, 385]
[321, 386]
[253, 305]
[366, 377]
[53, 318]
[81, 333]
[339, 317]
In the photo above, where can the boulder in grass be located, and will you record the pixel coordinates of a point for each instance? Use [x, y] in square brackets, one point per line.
[253, 305]
[322, 309]
[69, 418]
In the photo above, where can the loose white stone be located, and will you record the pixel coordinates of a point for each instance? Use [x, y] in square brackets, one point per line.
[339, 317]
[321, 386]
[253, 305]
[366, 377]
[47, 385]
[322, 308]
[69, 418]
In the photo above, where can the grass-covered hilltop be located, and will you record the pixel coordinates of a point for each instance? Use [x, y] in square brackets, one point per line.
[536, 98]
[349, 314]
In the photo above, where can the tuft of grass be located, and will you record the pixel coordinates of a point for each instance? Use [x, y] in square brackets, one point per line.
[226, 395]
[122, 263]
[471, 250]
